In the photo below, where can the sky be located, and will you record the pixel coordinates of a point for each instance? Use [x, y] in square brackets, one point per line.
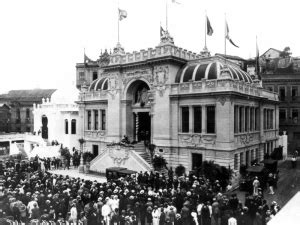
[42, 40]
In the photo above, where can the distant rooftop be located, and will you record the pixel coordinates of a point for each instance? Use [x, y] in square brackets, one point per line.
[27, 95]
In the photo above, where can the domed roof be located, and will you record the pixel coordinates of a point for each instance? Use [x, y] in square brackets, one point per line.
[99, 84]
[210, 70]
[67, 95]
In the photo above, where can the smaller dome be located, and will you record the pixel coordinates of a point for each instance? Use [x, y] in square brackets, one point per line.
[66, 95]
[99, 84]
[210, 70]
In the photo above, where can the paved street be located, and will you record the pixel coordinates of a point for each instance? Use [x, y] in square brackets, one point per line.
[288, 184]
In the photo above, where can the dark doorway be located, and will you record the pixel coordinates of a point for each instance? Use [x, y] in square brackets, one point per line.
[144, 130]
[95, 150]
[44, 127]
[196, 161]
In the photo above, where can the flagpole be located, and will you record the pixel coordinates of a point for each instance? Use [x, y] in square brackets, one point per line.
[118, 25]
[166, 15]
[205, 30]
[225, 38]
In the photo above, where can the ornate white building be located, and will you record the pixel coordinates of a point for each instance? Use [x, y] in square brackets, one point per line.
[57, 118]
[192, 107]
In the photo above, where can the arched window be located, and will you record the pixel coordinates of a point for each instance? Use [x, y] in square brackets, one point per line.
[73, 126]
[66, 126]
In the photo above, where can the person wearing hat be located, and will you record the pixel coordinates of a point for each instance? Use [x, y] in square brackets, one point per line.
[106, 210]
[156, 215]
[255, 186]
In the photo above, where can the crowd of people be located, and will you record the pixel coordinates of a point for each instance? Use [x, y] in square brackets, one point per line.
[31, 195]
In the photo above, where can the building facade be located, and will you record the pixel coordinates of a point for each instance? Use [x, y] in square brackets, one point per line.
[21, 106]
[282, 76]
[191, 107]
[57, 118]
[4, 118]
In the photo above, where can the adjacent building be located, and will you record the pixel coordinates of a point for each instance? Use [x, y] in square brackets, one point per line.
[56, 119]
[282, 75]
[20, 103]
[192, 107]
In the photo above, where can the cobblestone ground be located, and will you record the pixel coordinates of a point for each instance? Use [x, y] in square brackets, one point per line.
[288, 184]
[74, 173]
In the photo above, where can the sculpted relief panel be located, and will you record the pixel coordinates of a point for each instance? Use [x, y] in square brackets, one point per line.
[137, 74]
[196, 140]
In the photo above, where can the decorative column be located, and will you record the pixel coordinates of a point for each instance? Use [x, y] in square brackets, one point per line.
[136, 126]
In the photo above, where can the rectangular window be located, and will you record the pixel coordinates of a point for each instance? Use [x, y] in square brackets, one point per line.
[103, 119]
[265, 119]
[251, 119]
[241, 119]
[282, 93]
[271, 119]
[89, 119]
[185, 118]
[295, 115]
[95, 75]
[257, 155]
[81, 76]
[241, 158]
[257, 119]
[27, 113]
[211, 119]
[96, 121]
[197, 119]
[246, 119]
[294, 92]
[282, 114]
[236, 119]
[236, 158]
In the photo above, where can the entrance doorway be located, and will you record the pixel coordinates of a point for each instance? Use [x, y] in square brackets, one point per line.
[44, 127]
[95, 150]
[196, 160]
[144, 128]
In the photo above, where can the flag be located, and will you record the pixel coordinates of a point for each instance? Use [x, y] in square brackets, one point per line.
[208, 27]
[162, 32]
[122, 14]
[227, 35]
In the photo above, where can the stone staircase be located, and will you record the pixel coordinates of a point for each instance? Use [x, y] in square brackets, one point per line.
[141, 150]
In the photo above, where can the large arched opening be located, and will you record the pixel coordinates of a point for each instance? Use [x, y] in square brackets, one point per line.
[138, 109]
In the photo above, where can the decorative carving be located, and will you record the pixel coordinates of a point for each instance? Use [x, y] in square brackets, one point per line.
[95, 134]
[113, 83]
[196, 140]
[119, 154]
[197, 85]
[165, 37]
[210, 84]
[246, 138]
[161, 74]
[184, 86]
[104, 59]
[145, 73]
[161, 90]
[222, 100]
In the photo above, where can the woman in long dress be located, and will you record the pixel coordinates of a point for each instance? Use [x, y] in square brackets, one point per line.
[155, 215]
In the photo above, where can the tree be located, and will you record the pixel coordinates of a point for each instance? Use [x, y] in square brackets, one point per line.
[285, 53]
